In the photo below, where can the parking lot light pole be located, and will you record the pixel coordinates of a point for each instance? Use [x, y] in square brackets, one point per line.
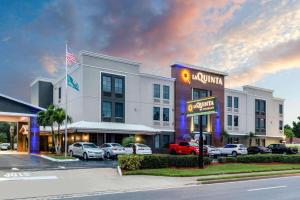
[200, 143]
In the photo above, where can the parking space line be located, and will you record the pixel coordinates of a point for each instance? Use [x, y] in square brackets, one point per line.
[267, 188]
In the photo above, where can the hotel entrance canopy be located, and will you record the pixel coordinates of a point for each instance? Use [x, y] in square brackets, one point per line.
[108, 127]
[22, 113]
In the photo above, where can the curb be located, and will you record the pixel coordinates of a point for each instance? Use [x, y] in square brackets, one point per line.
[246, 178]
[59, 160]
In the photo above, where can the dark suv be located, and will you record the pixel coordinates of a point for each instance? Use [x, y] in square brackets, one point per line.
[282, 149]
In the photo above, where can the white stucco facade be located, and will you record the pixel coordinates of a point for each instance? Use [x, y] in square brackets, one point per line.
[246, 113]
[85, 104]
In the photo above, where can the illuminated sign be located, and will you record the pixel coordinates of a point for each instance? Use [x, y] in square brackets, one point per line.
[203, 106]
[187, 77]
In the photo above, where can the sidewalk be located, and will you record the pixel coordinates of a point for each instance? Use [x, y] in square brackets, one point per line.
[84, 181]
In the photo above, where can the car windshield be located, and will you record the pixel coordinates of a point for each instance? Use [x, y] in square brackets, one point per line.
[90, 146]
[141, 145]
[194, 144]
[116, 145]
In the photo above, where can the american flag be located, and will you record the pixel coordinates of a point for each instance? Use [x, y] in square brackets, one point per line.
[70, 57]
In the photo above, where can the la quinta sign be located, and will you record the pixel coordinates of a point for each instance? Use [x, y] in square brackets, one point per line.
[203, 106]
[187, 77]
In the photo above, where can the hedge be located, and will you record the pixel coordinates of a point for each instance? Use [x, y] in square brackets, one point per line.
[266, 158]
[134, 162]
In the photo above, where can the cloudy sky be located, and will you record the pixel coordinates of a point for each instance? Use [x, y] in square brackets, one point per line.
[256, 42]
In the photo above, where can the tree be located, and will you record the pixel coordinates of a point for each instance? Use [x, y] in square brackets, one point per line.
[59, 118]
[251, 135]
[4, 129]
[288, 132]
[296, 128]
[46, 118]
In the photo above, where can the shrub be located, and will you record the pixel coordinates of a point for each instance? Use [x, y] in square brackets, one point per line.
[133, 162]
[130, 162]
[227, 159]
[269, 158]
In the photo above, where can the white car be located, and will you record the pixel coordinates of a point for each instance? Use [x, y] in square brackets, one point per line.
[86, 150]
[112, 150]
[4, 146]
[140, 149]
[213, 151]
[234, 149]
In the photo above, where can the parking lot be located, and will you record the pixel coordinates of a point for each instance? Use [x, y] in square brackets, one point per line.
[35, 162]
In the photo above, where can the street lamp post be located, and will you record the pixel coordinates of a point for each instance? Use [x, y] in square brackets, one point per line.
[200, 143]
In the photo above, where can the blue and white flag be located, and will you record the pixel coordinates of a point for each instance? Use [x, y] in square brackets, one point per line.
[72, 83]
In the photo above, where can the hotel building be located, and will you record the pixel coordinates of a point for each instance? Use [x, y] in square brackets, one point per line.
[253, 110]
[113, 99]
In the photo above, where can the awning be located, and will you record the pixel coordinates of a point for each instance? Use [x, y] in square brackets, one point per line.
[237, 134]
[106, 127]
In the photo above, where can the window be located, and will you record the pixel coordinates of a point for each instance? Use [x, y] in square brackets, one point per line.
[166, 92]
[280, 109]
[260, 106]
[106, 84]
[166, 141]
[106, 111]
[156, 113]
[260, 124]
[280, 125]
[59, 93]
[229, 101]
[118, 86]
[156, 90]
[229, 120]
[198, 93]
[263, 123]
[236, 120]
[166, 114]
[236, 102]
[119, 110]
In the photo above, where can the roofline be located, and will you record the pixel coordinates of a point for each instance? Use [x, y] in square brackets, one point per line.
[157, 77]
[22, 102]
[257, 88]
[199, 68]
[107, 57]
[18, 114]
[41, 79]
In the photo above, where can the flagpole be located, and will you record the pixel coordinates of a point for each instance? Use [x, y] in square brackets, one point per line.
[66, 104]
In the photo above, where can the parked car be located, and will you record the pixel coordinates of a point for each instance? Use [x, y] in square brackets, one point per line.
[185, 148]
[213, 151]
[139, 148]
[282, 149]
[112, 150]
[4, 146]
[234, 150]
[86, 150]
[258, 150]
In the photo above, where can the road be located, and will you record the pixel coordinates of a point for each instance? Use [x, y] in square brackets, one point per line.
[286, 188]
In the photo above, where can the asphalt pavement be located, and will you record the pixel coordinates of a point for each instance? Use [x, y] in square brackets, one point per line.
[285, 188]
[34, 162]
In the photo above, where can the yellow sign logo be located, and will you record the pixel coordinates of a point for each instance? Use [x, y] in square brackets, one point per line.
[186, 76]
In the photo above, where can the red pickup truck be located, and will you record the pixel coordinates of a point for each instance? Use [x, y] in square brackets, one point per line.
[185, 148]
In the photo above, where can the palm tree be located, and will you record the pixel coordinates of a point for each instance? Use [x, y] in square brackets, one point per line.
[46, 118]
[59, 118]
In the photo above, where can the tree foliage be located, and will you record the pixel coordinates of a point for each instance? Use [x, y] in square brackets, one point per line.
[296, 127]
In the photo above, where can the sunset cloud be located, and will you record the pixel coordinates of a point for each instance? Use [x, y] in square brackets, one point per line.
[49, 64]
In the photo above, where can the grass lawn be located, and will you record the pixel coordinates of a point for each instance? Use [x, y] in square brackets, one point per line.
[60, 157]
[214, 170]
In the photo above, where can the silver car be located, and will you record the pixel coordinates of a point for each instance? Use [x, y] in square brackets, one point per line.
[86, 150]
[112, 150]
[4, 146]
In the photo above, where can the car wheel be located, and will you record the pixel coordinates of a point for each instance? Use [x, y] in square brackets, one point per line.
[108, 155]
[85, 156]
[234, 154]
[71, 153]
